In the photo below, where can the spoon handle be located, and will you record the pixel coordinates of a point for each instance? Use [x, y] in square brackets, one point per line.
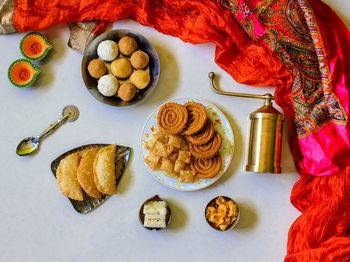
[53, 126]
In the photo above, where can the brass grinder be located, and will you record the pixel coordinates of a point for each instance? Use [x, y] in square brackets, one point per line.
[265, 139]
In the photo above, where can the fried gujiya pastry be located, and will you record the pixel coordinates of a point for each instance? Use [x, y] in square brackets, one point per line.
[66, 175]
[85, 174]
[104, 170]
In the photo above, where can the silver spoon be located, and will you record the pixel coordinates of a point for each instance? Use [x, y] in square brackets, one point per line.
[30, 144]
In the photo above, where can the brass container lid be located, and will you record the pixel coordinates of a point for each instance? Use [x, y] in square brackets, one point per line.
[267, 112]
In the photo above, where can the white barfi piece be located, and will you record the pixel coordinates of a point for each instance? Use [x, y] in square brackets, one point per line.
[154, 223]
[155, 214]
[155, 217]
[161, 211]
[155, 207]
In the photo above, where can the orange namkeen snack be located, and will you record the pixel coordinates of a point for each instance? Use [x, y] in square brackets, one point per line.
[221, 213]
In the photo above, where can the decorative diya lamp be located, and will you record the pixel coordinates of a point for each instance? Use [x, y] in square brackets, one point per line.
[265, 139]
[35, 46]
[22, 73]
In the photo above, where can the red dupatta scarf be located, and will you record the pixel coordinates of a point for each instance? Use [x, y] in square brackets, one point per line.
[300, 47]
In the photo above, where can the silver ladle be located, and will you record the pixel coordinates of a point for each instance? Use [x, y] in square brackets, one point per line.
[30, 144]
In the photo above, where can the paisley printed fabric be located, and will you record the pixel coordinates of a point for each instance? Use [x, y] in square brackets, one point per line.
[287, 27]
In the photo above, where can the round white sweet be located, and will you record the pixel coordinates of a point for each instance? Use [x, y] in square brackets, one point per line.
[108, 85]
[107, 50]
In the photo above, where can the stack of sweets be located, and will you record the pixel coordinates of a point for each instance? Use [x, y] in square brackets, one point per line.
[155, 214]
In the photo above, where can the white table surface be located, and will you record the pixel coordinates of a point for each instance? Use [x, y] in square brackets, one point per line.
[38, 224]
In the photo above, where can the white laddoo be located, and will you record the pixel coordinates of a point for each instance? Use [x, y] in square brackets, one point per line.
[108, 85]
[107, 50]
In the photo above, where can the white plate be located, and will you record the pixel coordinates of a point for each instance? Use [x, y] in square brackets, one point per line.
[221, 124]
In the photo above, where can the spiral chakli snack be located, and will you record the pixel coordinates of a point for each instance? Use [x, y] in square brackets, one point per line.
[197, 117]
[207, 150]
[206, 167]
[204, 135]
[172, 118]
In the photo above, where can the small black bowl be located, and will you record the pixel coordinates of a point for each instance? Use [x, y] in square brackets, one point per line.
[143, 44]
[142, 215]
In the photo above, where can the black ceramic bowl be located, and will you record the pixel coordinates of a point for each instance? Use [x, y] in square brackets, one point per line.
[143, 44]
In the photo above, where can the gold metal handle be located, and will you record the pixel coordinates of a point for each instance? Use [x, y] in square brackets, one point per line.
[266, 97]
